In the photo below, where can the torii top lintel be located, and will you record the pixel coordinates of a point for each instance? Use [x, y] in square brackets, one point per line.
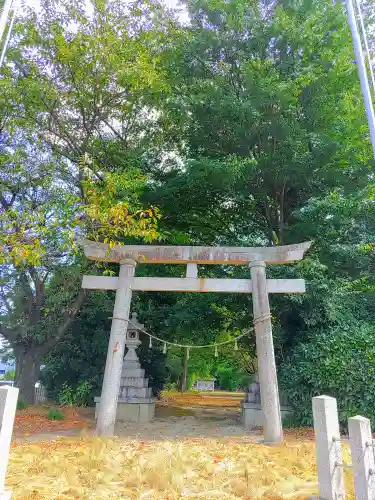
[156, 254]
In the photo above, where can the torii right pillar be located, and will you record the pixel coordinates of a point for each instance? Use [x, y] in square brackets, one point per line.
[269, 392]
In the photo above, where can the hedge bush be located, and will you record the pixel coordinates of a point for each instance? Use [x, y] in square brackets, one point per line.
[337, 363]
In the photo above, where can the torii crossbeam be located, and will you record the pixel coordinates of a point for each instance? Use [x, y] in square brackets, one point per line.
[256, 258]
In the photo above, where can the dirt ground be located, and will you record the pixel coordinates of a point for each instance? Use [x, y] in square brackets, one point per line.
[188, 414]
[217, 399]
[177, 416]
[172, 423]
[33, 421]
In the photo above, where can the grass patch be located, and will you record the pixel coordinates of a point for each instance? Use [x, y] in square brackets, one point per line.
[21, 404]
[55, 414]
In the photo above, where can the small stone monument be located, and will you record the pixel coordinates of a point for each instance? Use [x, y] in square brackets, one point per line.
[207, 384]
[135, 402]
[251, 407]
[252, 394]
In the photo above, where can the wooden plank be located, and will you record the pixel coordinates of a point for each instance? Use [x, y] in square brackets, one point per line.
[148, 284]
[157, 254]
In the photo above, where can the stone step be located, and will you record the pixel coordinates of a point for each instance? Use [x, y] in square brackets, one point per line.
[131, 365]
[134, 382]
[136, 372]
[135, 392]
[136, 400]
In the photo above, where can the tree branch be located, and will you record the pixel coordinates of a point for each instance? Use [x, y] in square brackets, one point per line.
[39, 294]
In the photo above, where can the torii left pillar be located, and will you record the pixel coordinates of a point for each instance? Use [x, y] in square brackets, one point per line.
[269, 392]
[116, 348]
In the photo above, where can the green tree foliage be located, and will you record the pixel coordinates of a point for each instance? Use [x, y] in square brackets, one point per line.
[83, 350]
[39, 286]
[76, 97]
[9, 375]
[255, 101]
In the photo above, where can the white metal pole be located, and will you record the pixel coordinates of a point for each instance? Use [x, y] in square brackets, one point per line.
[5, 46]
[4, 17]
[362, 72]
[368, 53]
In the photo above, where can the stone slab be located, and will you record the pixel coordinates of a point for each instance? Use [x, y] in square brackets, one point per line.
[133, 372]
[129, 401]
[207, 285]
[135, 412]
[135, 392]
[130, 365]
[134, 382]
[158, 254]
[136, 400]
[252, 414]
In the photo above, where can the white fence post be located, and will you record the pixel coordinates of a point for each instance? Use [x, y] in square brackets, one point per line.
[8, 405]
[361, 445]
[328, 448]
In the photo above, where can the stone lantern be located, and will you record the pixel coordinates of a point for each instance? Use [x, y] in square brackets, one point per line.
[135, 402]
[132, 339]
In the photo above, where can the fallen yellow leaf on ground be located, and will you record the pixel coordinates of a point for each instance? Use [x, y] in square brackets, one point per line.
[95, 468]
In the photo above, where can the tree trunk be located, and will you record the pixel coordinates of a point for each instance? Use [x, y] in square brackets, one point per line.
[184, 372]
[27, 372]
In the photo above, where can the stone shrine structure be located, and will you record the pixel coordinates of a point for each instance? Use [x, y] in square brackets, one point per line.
[207, 384]
[135, 402]
[251, 406]
[129, 256]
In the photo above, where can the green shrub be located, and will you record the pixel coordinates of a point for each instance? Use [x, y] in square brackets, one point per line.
[21, 404]
[75, 396]
[229, 377]
[66, 395]
[336, 363]
[290, 421]
[55, 414]
[170, 387]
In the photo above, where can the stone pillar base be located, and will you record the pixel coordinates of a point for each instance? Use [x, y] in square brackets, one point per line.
[137, 410]
[252, 414]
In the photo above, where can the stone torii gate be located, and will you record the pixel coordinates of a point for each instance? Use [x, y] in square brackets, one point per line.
[256, 258]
